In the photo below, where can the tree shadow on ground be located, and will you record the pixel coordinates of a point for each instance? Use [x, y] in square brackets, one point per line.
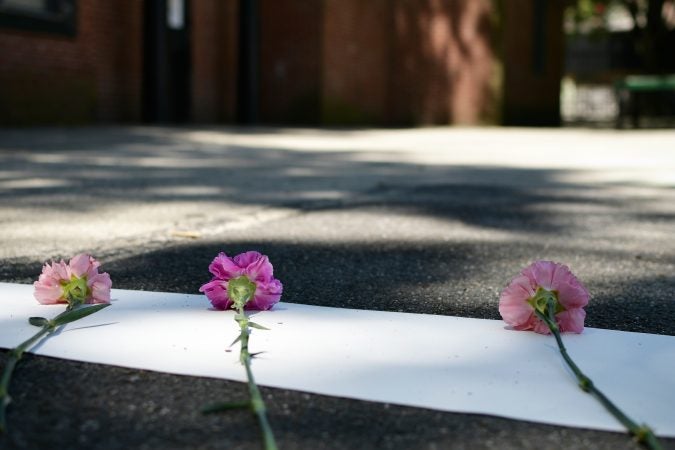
[445, 278]
[59, 171]
[86, 170]
[110, 407]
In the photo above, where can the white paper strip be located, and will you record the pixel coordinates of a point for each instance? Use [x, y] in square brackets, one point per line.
[438, 362]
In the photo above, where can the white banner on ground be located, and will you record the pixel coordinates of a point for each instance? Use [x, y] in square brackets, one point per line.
[438, 362]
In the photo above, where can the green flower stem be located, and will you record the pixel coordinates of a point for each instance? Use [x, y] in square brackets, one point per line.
[14, 356]
[257, 404]
[642, 433]
[71, 314]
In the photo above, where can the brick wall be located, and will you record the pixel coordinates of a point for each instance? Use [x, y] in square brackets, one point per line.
[214, 60]
[380, 62]
[95, 75]
[408, 61]
[290, 61]
[356, 61]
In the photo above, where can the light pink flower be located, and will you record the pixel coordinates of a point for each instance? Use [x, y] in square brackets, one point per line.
[515, 303]
[256, 267]
[58, 279]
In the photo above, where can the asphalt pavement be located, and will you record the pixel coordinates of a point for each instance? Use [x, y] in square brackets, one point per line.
[431, 220]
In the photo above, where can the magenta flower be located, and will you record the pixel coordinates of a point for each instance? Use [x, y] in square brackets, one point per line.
[533, 287]
[254, 267]
[245, 282]
[76, 282]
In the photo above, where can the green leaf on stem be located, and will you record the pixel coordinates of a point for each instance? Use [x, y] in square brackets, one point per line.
[236, 340]
[255, 325]
[77, 313]
[38, 321]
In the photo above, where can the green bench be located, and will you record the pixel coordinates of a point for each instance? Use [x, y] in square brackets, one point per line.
[632, 89]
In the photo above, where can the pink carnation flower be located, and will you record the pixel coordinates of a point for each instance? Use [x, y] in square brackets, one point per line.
[517, 302]
[256, 267]
[78, 280]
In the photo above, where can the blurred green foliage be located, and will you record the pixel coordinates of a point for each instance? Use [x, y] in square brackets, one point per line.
[652, 26]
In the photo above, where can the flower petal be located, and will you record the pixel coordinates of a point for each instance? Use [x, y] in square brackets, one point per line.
[59, 270]
[100, 285]
[48, 289]
[266, 296]
[572, 294]
[571, 320]
[540, 326]
[541, 272]
[80, 264]
[48, 293]
[513, 305]
[216, 292]
[224, 268]
[561, 274]
[260, 270]
[531, 324]
[244, 260]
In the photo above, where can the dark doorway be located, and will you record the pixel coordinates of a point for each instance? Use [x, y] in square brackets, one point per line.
[166, 61]
[247, 76]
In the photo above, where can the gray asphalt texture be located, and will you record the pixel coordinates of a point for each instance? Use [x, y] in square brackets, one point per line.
[432, 221]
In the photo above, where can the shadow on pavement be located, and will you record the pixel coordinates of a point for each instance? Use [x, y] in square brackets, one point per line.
[459, 279]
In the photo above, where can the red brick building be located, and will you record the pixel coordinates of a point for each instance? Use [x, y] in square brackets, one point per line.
[380, 62]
